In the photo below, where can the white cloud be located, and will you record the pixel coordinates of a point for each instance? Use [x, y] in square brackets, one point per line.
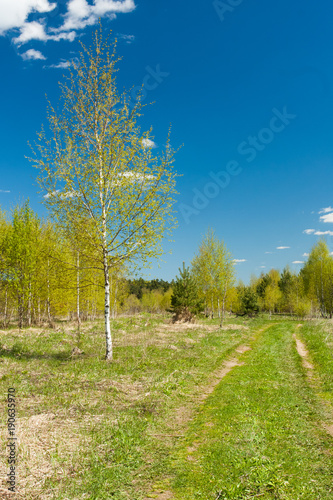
[324, 233]
[327, 218]
[127, 38]
[4, 191]
[78, 9]
[63, 36]
[237, 261]
[33, 54]
[134, 178]
[262, 267]
[326, 210]
[14, 13]
[36, 31]
[305, 254]
[31, 31]
[298, 262]
[147, 143]
[49, 195]
[269, 252]
[282, 248]
[59, 65]
[137, 176]
[103, 7]
[69, 194]
[309, 231]
[80, 14]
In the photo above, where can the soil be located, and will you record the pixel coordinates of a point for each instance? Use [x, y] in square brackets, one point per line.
[303, 352]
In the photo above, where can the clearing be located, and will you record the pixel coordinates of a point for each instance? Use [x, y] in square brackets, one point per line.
[184, 411]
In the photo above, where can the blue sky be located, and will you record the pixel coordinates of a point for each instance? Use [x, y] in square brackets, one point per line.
[247, 88]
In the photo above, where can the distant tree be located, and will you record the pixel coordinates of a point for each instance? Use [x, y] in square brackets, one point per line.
[302, 307]
[214, 271]
[268, 291]
[5, 274]
[132, 304]
[136, 287]
[166, 300]
[248, 302]
[272, 297]
[185, 301]
[21, 252]
[317, 275]
[264, 281]
[286, 285]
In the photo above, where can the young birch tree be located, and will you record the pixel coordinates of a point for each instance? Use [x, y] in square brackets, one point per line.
[96, 163]
[214, 271]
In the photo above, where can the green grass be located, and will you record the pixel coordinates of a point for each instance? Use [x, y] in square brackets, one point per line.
[91, 429]
[257, 435]
[319, 341]
[135, 427]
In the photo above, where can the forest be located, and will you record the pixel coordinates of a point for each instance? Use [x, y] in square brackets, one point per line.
[47, 276]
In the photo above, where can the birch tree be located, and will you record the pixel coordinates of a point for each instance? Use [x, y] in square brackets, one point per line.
[317, 276]
[22, 246]
[214, 271]
[95, 162]
[4, 274]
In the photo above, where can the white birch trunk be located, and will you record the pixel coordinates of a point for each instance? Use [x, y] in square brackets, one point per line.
[6, 305]
[222, 312]
[114, 309]
[29, 305]
[78, 293]
[48, 292]
[38, 310]
[108, 338]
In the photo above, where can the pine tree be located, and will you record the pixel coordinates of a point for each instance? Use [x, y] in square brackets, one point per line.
[249, 302]
[185, 300]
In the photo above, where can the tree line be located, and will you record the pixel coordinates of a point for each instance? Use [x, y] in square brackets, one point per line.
[306, 293]
[208, 286]
[46, 275]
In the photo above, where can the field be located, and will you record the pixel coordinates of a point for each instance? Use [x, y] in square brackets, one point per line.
[183, 412]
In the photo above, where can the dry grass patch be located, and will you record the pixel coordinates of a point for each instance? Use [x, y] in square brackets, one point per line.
[47, 447]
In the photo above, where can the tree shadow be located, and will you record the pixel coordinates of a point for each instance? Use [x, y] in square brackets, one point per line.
[19, 353]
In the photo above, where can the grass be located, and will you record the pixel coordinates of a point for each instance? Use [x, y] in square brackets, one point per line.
[319, 340]
[150, 422]
[91, 429]
[257, 435]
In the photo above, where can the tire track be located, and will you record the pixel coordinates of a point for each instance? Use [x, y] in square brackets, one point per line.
[184, 414]
[309, 368]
